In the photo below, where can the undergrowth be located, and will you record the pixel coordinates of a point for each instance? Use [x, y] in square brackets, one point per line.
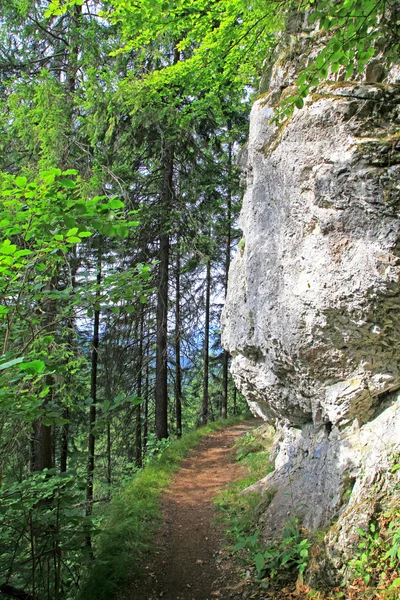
[376, 563]
[131, 520]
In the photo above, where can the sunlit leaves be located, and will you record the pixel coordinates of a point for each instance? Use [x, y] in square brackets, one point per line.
[207, 49]
[348, 34]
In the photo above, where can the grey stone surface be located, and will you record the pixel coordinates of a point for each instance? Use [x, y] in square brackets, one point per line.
[312, 315]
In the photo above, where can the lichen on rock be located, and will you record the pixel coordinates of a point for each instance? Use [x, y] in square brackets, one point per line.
[312, 314]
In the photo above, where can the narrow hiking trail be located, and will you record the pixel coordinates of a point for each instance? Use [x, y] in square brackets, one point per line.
[189, 543]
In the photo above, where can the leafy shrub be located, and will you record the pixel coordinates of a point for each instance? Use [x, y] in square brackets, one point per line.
[290, 552]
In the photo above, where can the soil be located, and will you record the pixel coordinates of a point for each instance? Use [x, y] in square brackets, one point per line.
[189, 562]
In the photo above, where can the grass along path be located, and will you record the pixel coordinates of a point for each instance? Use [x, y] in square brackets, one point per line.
[185, 565]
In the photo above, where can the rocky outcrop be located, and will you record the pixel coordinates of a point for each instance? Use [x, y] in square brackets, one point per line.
[312, 316]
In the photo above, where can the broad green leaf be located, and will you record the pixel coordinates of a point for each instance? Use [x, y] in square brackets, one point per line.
[11, 363]
[259, 562]
[114, 203]
[72, 231]
[34, 367]
[66, 183]
[21, 181]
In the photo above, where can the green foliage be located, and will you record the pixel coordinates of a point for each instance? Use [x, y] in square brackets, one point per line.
[42, 222]
[377, 560]
[378, 557]
[249, 444]
[350, 33]
[42, 523]
[45, 224]
[290, 552]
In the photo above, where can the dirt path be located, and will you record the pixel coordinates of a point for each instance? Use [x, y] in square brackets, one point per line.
[185, 566]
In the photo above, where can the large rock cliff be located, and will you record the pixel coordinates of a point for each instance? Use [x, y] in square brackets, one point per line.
[312, 317]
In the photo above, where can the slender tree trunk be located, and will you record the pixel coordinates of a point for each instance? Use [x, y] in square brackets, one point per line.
[109, 464]
[225, 364]
[93, 391]
[64, 442]
[72, 346]
[138, 408]
[162, 297]
[234, 401]
[206, 344]
[178, 368]
[146, 406]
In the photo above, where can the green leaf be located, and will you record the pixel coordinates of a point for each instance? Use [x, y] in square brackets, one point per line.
[8, 248]
[114, 203]
[21, 253]
[85, 234]
[361, 532]
[314, 17]
[34, 367]
[73, 240]
[61, 421]
[11, 363]
[44, 392]
[135, 400]
[21, 181]
[66, 183]
[299, 102]
[72, 231]
[259, 562]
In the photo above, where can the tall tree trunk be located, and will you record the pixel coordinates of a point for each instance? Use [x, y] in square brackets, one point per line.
[138, 408]
[178, 368]
[162, 296]
[93, 390]
[42, 447]
[206, 344]
[146, 403]
[225, 364]
[109, 464]
[64, 441]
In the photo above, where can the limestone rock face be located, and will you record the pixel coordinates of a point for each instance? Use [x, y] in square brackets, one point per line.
[312, 317]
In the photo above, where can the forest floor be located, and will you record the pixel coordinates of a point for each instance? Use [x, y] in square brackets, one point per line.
[189, 562]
